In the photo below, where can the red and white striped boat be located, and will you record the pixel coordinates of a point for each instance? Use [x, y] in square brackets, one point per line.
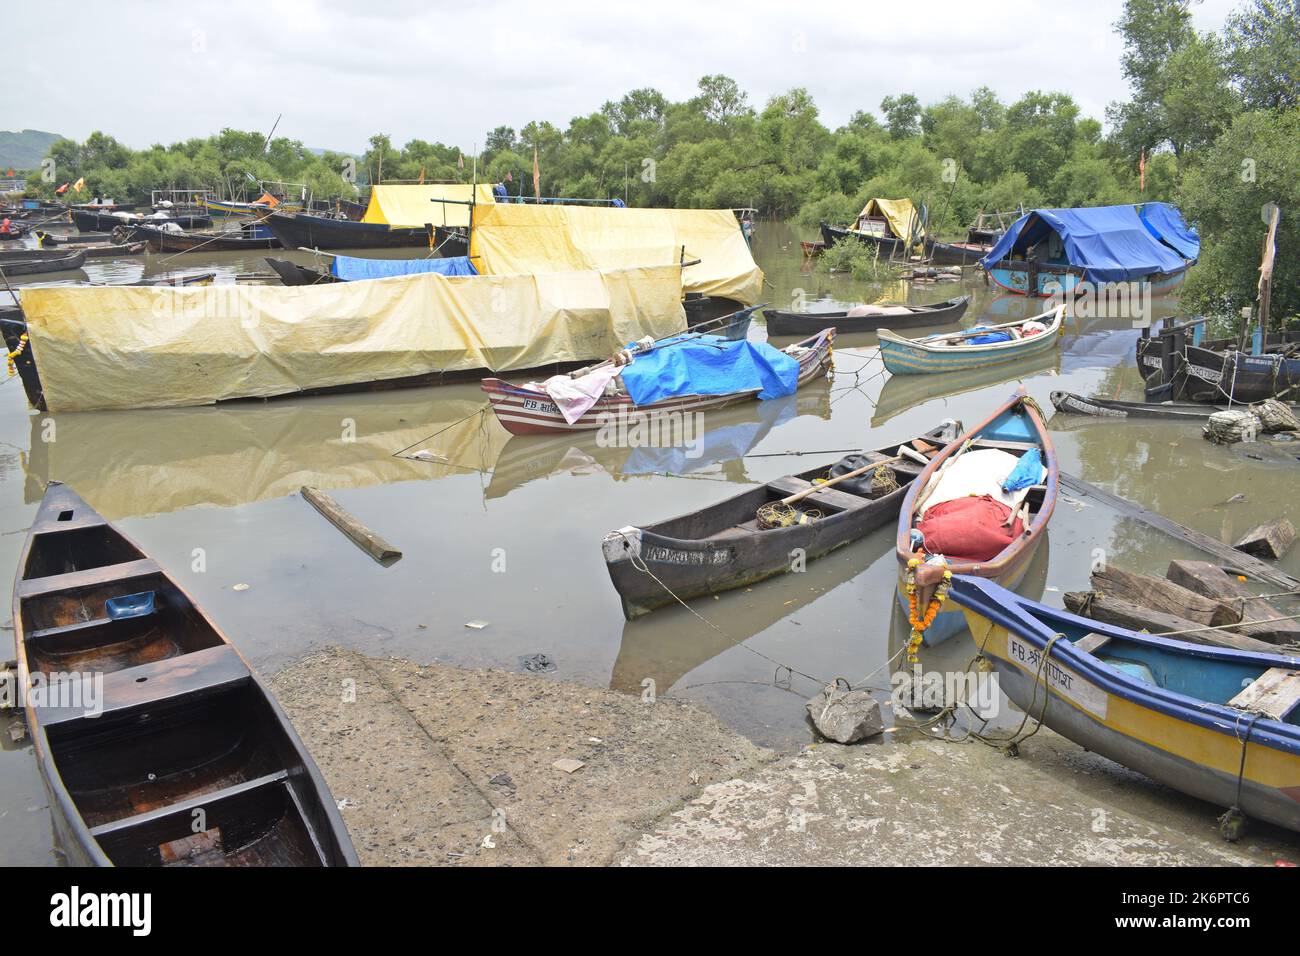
[530, 411]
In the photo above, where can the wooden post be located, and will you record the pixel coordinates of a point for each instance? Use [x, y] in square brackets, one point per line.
[1266, 273]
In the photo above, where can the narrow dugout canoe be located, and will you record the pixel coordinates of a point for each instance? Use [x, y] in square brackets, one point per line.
[1217, 723]
[52, 262]
[1015, 427]
[945, 352]
[103, 250]
[186, 733]
[723, 546]
[522, 410]
[160, 240]
[1073, 404]
[781, 322]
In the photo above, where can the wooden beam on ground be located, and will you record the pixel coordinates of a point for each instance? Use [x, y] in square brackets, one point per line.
[1163, 595]
[1258, 617]
[1226, 555]
[367, 540]
[1131, 616]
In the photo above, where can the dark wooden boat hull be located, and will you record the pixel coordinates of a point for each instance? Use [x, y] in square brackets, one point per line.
[890, 247]
[803, 323]
[318, 232]
[887, 247]
[291, 273]
[1072, 404]
[81, 238]
[51, 263]
[1215, 374]
[702, 553]
[189, 761]
[105, 222]
[160, 240]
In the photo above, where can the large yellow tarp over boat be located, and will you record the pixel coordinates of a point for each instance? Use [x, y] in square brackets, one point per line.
[154, 347]
[513, 237]
[413, 206]
[904, 221]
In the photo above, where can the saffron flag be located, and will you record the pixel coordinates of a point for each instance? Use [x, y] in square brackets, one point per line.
[1142, 171]
[79, 185]
[537, 175]
[421, 175]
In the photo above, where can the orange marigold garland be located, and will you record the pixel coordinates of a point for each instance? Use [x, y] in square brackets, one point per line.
[22, 344]
[922, 624]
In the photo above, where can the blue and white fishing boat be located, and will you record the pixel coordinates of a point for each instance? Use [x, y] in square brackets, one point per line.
[973, 348]
[1218, 723]
[1053, 252]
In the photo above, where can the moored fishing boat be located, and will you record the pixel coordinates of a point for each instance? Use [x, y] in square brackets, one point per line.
[87, 220]
[1218, 371]
[50, 262]
[182, 732]
[533, 410]
[1217, 723]
[973, 348]
[1073, 404]
[1056, 252]
[96, 250]
[866, 318]
[163, 240]
[730, 544]
[981, 507]
[319, 232]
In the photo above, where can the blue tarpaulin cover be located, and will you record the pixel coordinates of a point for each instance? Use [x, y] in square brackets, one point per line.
[1110, 243]
[1028, 471]
[710, 365]
[1167, 224]
[350, 268]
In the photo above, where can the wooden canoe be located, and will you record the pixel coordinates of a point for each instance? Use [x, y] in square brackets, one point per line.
[183, 758]
[1070, 403]
[104, 250]
[291, 273]
[160, 240]
[722, 546]
[1014, 427]
[945, 352]
[525, 410]
[52, 262]
[781, 322]
[1217, 723]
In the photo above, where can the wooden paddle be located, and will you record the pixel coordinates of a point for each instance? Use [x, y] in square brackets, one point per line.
[800, 495]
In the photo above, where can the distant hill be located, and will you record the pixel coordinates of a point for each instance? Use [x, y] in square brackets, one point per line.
[24, 149]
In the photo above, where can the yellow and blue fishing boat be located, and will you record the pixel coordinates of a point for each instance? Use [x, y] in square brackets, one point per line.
[977, 347]
[1217, 723]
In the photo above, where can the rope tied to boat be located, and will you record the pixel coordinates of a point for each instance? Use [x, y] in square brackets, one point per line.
[1232, 819]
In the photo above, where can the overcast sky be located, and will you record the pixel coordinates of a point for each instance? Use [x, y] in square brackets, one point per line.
[340, 70]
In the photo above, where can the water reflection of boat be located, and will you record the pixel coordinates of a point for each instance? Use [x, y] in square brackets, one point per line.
[729, 435]
[158, 460]
[902, 392]
[666, 646]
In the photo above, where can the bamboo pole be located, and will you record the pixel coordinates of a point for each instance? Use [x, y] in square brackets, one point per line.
[367, 540]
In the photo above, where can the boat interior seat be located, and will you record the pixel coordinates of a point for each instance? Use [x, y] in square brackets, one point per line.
[1276, 693]
[831, 499]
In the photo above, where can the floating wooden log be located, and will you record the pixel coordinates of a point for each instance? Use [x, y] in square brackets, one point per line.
[367, 540]
[1250, 566]
[1163, 595]
[1134, 617]
[1257, 616]
[1271, 540]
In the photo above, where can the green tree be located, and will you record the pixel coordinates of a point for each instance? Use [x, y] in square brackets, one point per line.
[1264, 53]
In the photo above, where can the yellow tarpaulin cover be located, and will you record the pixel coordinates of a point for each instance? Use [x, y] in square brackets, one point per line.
[413, 206]
[143, 347]
[903, 219]
[512, 237]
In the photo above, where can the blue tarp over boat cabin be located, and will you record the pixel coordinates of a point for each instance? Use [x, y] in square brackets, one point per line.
[1167, 224]
[1109, 243]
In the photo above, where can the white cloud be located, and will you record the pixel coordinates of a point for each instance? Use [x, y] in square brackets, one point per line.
[340, 70]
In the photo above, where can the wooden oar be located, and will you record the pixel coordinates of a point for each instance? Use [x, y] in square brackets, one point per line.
[800, 495]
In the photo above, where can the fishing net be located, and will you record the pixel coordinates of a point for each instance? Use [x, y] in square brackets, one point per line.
[1274, 416]
[1226, 428]
[778, 514]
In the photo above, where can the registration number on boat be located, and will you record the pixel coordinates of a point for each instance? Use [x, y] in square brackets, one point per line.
[678, 556]
[533, 405]
[1062, 680]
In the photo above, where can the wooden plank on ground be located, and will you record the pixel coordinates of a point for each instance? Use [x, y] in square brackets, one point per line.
[1128, 615]
[1258, 618]
[1160, 594]
[1271, 540]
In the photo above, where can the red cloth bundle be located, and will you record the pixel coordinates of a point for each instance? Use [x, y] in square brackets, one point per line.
[969, 530]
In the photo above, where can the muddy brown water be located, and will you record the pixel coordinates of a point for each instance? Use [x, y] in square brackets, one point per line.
[507, 530]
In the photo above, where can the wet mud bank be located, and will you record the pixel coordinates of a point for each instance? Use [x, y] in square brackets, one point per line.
[442, 765]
